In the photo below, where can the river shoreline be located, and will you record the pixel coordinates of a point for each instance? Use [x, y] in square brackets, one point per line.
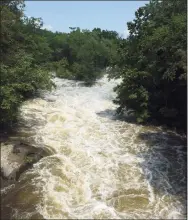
[21, 154]
[72, 157]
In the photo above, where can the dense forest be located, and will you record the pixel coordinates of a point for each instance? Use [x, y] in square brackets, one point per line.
[29, 54]
[151, 62]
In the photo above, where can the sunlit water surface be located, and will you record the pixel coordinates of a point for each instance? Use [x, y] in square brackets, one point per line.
[99, 166]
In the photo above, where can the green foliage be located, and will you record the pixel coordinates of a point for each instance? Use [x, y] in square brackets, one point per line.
[133, 95]
[153, 64]
[86, 52]
[21, 75]
[62, 69]
[29, 53]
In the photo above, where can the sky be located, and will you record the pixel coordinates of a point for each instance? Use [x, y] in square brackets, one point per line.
[107, 15]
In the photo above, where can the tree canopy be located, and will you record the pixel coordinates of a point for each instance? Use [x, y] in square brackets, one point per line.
[29, 53]
[153, 64]
[152, 61]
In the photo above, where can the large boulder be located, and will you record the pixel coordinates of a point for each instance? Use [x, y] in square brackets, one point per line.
[18, 157]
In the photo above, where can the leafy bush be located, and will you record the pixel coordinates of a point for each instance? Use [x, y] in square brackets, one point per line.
[21, 77]
[29, 53]
[153, 64]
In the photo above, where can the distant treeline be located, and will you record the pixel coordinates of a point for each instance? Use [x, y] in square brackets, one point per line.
[152, 61]
[81, 54]
[29, 53]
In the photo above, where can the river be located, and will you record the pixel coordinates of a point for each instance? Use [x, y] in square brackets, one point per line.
[100, 167]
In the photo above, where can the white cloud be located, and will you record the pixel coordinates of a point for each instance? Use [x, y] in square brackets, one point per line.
[47, 27]
[125, 33]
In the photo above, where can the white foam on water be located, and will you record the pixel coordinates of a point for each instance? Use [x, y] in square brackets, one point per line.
[97, 169]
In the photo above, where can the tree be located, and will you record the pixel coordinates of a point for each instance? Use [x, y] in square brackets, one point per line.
[153, 63]
[28, 53]
[87, 53]
[21, 75]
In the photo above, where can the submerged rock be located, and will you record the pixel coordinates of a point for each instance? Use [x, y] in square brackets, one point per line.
[17, 158]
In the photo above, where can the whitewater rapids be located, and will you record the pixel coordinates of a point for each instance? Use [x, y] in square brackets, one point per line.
[100, 166]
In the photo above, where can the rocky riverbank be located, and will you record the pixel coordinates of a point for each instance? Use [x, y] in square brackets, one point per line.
[16, 158]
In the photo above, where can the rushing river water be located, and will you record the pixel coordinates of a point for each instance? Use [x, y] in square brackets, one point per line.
[100, 167]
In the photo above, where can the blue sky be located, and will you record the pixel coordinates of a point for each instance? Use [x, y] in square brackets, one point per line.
[60, 15]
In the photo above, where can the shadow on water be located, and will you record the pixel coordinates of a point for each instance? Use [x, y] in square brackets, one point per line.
[165, 160]
[112, 114]
[108, 113]
[165, 163]
[130, 118]
[86, 84]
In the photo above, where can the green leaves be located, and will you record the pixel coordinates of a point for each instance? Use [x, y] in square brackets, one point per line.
[87, 53]
[153, 64]
[21, 51]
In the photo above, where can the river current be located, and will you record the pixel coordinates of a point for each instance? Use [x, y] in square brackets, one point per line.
[99, 167]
